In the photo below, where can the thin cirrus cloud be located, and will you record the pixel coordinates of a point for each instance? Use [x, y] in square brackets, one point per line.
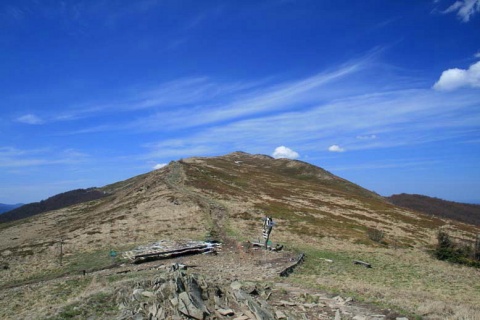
[22, 158]
[30, 119]
[465, 9]
[212, 102]
[456, 78]
[402, 117]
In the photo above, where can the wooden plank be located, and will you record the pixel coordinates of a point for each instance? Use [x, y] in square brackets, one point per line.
[172, 254]
[286, 272]
[203, 246]
[363, 263]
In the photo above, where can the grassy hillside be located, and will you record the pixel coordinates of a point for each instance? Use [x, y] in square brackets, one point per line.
[226, 197]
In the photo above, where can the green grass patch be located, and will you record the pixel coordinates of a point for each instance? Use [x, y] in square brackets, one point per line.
[99, 305]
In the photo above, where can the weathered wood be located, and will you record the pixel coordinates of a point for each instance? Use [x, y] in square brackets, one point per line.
[170, 251]
[141, 258]
[286, 272]
[363, 263]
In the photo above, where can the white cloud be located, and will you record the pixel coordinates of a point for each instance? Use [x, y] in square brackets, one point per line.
[30, 119]
[477, 55]
[465, 9]
[159, 166]
[452, 79]
[335, 148]
[284, 152]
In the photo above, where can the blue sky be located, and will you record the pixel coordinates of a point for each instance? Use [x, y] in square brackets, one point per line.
[383, 93]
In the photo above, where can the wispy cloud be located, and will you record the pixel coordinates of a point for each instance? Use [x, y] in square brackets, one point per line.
[388, 164]
[30, 119]
[465, 9]
[401, 118]
[19, 158]
[367, 137]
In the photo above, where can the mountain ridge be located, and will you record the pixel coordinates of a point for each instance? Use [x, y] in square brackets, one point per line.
[7, 207]
[463, 212]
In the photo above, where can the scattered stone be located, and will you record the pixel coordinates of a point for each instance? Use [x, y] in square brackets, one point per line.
[226, 312]
[287, 303]
[401, 318]
[235, 285]
[148, 294]
[6, 253]
[241, 318]
[137, 294]
[280, 315]
[359, 317]
[337, 315]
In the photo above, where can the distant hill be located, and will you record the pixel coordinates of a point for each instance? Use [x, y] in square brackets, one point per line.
[58, 201]
[463, 212]
[7, 207]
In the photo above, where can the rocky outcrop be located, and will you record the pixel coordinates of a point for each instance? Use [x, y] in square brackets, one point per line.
[179, 295]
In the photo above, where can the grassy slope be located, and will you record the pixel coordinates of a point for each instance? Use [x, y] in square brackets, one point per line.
[315, 212]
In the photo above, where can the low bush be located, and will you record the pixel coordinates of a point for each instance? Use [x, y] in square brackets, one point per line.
[451, 251]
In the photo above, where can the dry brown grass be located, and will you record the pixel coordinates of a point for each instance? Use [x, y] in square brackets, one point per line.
[409, 279]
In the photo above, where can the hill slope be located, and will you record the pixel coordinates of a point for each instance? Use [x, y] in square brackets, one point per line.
[226, 198]
[463, 212]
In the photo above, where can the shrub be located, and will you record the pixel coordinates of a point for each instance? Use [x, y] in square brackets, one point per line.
[448, 250]
[375, 235]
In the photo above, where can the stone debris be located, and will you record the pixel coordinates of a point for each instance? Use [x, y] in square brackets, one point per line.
[187, 296]
[337, 315]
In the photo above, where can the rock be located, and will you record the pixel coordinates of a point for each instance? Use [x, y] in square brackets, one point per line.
[6, 253]
[401, 318]
[137, 294]
[241, 318]
[226, 312]
[186, 307]
[153, 310]
[359, 317]
[280, 315]
[235, 285]
[174, 302]
[287, 303]
[148, 294]
[337, 315]
[309, 305]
